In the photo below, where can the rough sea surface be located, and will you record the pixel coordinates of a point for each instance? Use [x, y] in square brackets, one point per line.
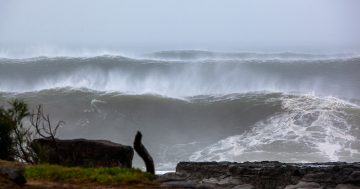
[198, 105]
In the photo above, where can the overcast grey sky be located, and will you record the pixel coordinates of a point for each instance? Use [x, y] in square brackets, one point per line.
[185, 24]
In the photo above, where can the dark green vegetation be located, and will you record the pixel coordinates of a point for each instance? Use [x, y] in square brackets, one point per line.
[13, 135]
[80, 175]
[19, 127]
[6, 141]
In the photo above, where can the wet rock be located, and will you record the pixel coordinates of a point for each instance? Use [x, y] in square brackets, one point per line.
[271, 175]
[317, 177]
[347, 186]
[227, 182]
[354, 177]
[6, 183]
[178, 184]
[170, 177]
[244, 186]
[206, 186]
[309, 185]
[213, 169]
[210, 181]
[12, 171]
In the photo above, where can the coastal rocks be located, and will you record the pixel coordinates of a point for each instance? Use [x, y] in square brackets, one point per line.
[244, 186]
[302, 184]
[11, 173]
[347, 186]
[82, 152]
[178, 184]
[173, 180]
[265, 175]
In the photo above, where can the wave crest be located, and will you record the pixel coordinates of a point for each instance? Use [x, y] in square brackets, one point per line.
[308, 129]
[182, 78]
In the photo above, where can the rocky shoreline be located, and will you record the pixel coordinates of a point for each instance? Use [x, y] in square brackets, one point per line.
[263, 175]
[228, 175]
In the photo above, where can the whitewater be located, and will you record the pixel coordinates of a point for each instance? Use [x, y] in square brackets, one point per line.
[200, 105]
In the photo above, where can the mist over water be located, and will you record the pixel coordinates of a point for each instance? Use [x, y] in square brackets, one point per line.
[187, 73]
[201, 105]
[203, 80]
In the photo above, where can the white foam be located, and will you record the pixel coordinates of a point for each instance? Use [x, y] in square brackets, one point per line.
[320, 125]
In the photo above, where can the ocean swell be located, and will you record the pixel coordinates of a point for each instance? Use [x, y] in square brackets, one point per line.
[233, 127]
[336, 77]
[200, 106]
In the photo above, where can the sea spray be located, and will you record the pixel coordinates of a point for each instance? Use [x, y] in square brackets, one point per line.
[200, 106]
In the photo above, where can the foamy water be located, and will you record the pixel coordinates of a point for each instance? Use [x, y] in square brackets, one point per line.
[198, 105]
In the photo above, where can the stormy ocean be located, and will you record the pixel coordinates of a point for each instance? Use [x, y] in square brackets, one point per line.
[200, 105]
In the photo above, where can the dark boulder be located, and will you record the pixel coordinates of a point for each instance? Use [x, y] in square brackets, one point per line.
[83, 152]
[11, 172]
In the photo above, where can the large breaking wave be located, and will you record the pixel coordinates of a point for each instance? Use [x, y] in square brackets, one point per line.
[307, 129]
[322, 76]
[200, 106]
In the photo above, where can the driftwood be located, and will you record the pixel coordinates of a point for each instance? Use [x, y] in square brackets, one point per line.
[143, 153]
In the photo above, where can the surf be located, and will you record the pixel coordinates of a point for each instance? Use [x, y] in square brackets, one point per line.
[187, 76]
[200, 106]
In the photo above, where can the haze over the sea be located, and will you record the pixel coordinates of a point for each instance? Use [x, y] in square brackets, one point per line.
[203, 80]
[60, 27]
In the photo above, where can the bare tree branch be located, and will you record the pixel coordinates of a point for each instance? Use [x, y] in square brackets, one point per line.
[41, 122]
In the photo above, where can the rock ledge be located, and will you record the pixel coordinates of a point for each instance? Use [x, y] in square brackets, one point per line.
[264, 175]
